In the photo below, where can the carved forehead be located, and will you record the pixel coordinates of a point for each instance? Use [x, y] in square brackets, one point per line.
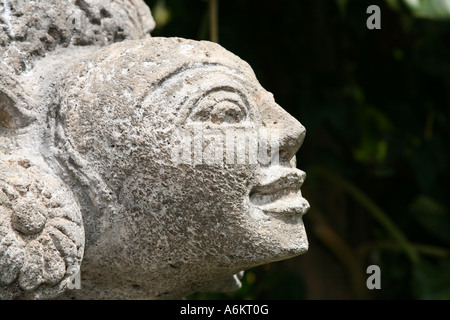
[122, 75]
[168, 54]
[144, 63]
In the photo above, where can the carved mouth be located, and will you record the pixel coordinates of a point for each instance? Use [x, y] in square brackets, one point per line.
[278, 191]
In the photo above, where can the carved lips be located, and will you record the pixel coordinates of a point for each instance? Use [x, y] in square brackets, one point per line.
[278, 191]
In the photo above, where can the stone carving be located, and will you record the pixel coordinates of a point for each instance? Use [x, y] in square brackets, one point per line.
[160, 166]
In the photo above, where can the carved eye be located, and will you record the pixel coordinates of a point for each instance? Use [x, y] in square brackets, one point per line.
[221, 107]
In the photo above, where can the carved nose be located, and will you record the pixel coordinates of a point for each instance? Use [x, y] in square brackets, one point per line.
[292, 137]
[290, 131]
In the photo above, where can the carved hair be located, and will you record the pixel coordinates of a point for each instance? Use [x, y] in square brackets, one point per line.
[30, 29]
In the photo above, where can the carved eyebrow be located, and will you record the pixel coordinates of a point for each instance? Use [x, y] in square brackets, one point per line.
[229, 89]
[187, 67]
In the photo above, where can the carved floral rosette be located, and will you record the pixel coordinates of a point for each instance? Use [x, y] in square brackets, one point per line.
[41, 232]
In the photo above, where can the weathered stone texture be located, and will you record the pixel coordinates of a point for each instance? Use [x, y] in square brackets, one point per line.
[91, 120]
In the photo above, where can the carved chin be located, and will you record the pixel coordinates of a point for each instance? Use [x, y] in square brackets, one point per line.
[281, 236]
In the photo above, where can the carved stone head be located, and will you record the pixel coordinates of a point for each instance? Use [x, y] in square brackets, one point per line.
[158, 165]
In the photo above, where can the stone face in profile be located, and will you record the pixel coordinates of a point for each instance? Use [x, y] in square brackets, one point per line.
[159, 165]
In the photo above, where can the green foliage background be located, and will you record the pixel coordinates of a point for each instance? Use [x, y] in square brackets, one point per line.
[376, 105]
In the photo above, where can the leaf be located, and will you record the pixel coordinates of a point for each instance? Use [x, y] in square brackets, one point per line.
[432, 216]
[431, 9]
[432, 156]
[432, 281]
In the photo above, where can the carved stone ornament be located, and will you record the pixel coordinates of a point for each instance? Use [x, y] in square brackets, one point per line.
[134, 167]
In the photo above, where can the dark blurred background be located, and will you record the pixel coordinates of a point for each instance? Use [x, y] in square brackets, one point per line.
[376, 106]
